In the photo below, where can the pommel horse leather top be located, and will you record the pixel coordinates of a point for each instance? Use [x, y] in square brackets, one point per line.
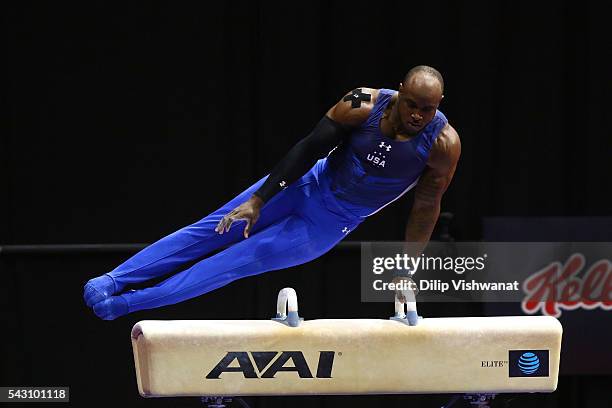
[347, 356]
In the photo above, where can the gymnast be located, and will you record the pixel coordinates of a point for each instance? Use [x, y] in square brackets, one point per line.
[366, 152]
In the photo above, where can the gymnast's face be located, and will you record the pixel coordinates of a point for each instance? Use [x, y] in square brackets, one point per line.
[417, 102]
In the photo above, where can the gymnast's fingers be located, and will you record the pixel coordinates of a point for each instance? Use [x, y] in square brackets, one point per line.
[218, 227]
[228, 223]
[223, 223]
[399, 294]
[247, 228]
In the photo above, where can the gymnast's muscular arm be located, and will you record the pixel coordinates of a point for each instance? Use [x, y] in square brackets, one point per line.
[432, 184]
[350, 111]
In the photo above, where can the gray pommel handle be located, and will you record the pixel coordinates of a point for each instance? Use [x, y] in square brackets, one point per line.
[406, 312]
[287, 308]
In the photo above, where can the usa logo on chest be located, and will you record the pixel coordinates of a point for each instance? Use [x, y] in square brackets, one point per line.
[378, 157]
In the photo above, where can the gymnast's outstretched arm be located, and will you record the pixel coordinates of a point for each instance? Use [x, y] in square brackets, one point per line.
[326, 135]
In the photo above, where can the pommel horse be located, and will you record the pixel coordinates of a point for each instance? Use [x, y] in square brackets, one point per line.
[286, 355]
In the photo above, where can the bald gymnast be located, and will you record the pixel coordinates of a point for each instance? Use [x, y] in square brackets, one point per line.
[369, 149]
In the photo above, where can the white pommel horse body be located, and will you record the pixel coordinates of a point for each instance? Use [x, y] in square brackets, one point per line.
[289, 356]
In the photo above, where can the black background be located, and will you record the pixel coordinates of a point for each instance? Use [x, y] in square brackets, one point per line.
[126, 121]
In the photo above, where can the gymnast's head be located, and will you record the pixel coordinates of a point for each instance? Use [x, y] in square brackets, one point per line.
[419, 96]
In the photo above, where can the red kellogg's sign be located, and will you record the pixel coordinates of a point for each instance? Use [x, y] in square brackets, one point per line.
[556, 287]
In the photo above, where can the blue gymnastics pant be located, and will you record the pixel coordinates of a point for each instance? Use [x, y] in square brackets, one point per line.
[297, 225]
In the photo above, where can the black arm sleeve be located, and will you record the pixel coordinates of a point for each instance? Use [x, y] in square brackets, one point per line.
[323, 138]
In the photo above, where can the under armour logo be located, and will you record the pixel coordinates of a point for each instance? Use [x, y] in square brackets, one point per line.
[283, 184]
[382, 144]
[345, 230]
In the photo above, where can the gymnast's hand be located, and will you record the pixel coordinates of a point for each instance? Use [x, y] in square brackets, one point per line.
[407, 295]
[249, 211]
